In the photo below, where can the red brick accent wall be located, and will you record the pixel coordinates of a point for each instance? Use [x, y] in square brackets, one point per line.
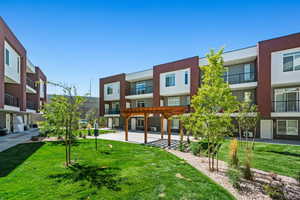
[7, 35]
[123, 89]
[265, 48]
[192, 63]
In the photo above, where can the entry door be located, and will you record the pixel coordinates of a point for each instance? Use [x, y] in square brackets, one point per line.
[133, 123]
[8, 122]
[110, 122]
[266, 129]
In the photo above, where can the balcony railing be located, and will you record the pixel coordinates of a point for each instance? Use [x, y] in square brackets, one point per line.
[112, 111]
[286, 106]
[142, 90]
[31, 105]
[30, 83]
[11, 100]
[240, 78]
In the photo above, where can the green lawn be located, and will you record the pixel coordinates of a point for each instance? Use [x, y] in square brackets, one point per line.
[85, 131]
[281, 159]
[125, 171]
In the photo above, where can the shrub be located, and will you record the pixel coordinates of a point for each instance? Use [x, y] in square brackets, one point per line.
[181, 146]
[234, 176]
[298, 177]
[195, 148]
[233, 153]
[202, 147]
[274, 191]
[247, 164]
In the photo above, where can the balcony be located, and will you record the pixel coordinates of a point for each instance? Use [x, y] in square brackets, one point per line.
[30, 83]
[11, 100]
[113, 111]
[240, 78]
[286, 106]
[141, 90]
[31, 105]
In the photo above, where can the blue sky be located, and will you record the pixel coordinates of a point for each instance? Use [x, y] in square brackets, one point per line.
[78, 41]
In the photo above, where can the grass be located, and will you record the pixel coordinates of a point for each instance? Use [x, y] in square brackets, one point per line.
[101, 131]
[125, 171]
[277, 158]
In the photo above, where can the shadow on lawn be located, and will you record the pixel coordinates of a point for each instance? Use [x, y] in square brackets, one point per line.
[285, 153]
[63, 143]
[94, 176]
[15, 156]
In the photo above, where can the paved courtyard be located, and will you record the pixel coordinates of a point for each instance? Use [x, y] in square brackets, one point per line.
[153, 139]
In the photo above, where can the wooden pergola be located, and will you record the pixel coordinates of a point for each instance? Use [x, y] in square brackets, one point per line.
[166, 112]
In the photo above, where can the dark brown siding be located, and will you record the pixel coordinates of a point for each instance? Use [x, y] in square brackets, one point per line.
[7, 35]
[192, 63]
[123, 88]
[265, 48]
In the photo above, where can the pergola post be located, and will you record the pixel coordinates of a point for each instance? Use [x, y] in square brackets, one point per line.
[145, 127]
[126, 128]
[162, 127]
[169, 131]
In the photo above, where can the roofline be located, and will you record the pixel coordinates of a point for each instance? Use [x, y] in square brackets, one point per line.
[279, 37]
[235, 50]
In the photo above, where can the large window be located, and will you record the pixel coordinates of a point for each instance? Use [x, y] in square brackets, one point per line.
[140, 122]
[287, 127]
[173, 101]
[241, 73]
[109, 90]
[291, 61]
[140, 104]
[170, 80]
[140, 87]
[247, 96]
[6, 57]
[287, 100]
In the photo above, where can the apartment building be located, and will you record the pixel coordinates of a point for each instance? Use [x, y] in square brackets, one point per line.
[22, 85]
[267, 74]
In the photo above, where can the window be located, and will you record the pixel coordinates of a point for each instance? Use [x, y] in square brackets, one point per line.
[140, 87]
[18, 65]
[291, 62]
[109, 90]
[247, 96]
[6, 57]
[140, 122]
[173, 101]
[170, 80]
[287, 127]
[287, 100]
[186, 77]
[247, 72]
[186, 100]
[175, 124]
[140, 104]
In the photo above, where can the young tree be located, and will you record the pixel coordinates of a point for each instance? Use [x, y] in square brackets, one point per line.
[212, 105]
[247, 119]
[63, 113]
[91, 116]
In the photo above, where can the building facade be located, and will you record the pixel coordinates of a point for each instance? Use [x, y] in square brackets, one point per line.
[22, 85]
[267, 74]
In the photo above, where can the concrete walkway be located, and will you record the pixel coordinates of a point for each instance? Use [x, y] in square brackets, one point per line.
[16, 138]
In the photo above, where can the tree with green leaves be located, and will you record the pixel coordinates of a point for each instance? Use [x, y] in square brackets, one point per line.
[212, 107]
[248, 118]
[63, 113]
[91, 116]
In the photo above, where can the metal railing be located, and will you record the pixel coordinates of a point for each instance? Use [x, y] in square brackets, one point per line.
[112, 111]
[11, 100]
[141, 90]
[240, 78]
[30, 83]
[286, 106]
[31, 105]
